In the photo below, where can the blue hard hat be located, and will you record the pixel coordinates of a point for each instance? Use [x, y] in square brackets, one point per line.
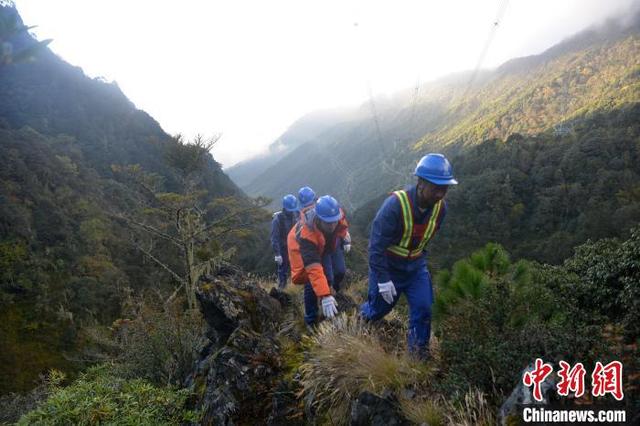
[290, 203]
[306, 196]
[436, 169]
[328, 209]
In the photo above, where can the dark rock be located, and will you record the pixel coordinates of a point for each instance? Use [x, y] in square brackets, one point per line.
[239, 377]
[523, 395]
[374, 410]
[228, 304]
[239, 364]
[225, 269]
[282, 297]
[286, 409]
[408, 393]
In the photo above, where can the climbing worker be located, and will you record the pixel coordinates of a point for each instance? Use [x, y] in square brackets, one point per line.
[310, 240]
[333, 261]
[306, 198]
[281, 224]
[403, 226]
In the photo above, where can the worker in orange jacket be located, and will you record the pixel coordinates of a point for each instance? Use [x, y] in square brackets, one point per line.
[311, 240]
[335, 271]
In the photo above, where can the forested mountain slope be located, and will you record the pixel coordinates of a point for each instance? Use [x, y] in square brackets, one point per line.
[79, 163]
[596, 71]
[540, 195]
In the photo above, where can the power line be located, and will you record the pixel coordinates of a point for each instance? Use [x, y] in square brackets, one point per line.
[502, 8]
[388, 168]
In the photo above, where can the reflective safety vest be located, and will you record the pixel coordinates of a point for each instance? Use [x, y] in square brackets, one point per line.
[410, 230]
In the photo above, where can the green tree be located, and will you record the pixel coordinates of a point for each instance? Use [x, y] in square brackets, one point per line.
[203, 229]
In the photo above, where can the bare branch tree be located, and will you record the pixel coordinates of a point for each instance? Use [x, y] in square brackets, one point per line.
[189, 219]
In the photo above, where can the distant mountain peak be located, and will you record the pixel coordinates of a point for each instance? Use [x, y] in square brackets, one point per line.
[358, 157]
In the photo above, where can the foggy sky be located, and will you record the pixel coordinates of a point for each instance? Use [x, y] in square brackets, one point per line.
[248, 69]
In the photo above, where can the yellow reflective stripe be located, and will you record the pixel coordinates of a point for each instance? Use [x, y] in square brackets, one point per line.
[407, 217]
[433, 222]
[402, 248]
[431, 228]
[415, 253]
[400, 251]
[404, 252]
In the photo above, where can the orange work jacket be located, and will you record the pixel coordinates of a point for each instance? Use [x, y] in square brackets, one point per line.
[306, 244]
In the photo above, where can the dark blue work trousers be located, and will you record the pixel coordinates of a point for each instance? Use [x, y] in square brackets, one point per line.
[334, 269]
[416, 285]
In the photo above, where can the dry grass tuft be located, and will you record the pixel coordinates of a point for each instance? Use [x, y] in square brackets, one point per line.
[421, 411]
[294, 290]
[357, 290]
[346, 358]
[474, 410]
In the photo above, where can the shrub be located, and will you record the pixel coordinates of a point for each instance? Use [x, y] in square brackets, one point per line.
[99, 397]
[609, 280]
[15, 405]
[501, 316]
[160, 344]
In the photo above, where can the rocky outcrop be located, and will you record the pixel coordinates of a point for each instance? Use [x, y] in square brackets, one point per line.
[246, 371]
[373, 410]
[523, 395]
[240, 361]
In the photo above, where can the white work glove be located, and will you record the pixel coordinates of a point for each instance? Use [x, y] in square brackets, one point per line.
[278, 260]
[387, 291]
[329, 306]
[347, 243]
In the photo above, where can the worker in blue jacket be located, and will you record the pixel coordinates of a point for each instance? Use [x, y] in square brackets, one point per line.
[281, 224]
[403, 226]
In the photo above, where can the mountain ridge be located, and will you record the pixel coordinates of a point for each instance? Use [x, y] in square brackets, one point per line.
[79, 163]
[412, 122]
